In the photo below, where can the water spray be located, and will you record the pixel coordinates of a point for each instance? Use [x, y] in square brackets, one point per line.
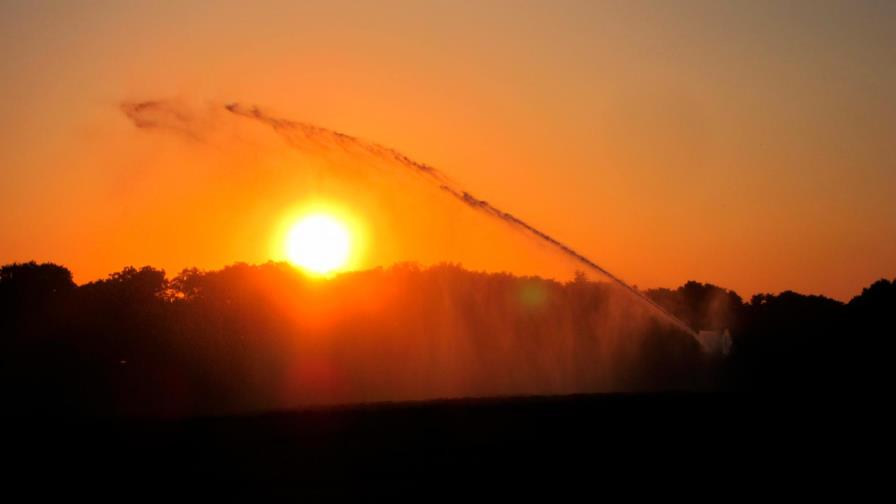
[305, 136]
[327, 138]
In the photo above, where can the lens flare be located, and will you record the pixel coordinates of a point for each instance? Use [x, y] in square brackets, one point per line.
[319, 243]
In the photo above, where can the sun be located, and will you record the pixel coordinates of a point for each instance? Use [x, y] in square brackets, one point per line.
[319, 243]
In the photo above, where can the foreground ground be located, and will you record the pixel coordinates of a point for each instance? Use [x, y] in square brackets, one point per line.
[511, 444]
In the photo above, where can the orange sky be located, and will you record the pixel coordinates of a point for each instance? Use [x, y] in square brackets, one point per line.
[749, 146]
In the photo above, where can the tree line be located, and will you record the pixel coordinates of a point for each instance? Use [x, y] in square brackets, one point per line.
[260, 337]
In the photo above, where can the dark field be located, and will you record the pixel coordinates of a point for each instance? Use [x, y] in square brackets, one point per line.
[514, 445]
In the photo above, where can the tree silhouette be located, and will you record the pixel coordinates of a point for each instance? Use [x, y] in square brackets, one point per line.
[250, 338]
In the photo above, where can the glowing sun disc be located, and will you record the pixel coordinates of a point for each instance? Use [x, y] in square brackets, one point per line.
[318, 243]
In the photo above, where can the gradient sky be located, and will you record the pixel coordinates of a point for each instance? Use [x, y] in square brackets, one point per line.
[749, 144]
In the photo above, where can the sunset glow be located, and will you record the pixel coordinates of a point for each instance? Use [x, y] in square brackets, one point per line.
[707, 155]
[319, 243]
